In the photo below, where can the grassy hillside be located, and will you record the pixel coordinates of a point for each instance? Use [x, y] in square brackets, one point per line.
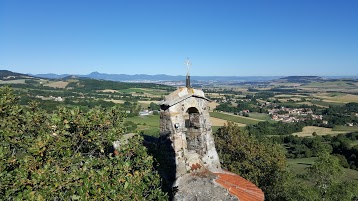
[307, 131]
[5, 74]
[298, 166]
[237, 119]
[149, 125]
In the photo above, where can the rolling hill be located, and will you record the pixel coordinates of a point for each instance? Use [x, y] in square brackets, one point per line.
[9, 75]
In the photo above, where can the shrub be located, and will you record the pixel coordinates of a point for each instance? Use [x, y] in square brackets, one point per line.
[66, 155]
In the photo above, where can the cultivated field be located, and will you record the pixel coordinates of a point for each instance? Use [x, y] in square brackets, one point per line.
[261, 116]
[336, 97]
[332, 84]
[345, 128]
[147, 124]
[154, 91]
[216, 95]
[145, 104]
[309, 130]
[144, 92]
[108, 91]
[22, 81]
[216, 122]
[234, 118]
[59, 84]
[290, 96]
[212, 105]
[326, 104]
[115, 101]
[280, 84]
[148, 102]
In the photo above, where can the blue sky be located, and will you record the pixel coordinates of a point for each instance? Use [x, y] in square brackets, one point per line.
[221, 37]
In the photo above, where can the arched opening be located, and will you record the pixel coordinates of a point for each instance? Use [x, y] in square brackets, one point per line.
[193, 135]
[192, 118]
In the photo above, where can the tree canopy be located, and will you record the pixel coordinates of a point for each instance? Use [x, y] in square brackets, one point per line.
[259, 162]
[264, 163]
[67, 155]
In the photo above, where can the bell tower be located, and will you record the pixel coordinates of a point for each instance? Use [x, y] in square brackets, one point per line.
[186, 136]
[185, 120]
[188, 64]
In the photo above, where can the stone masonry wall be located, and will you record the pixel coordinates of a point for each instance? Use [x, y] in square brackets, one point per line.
[173, 122]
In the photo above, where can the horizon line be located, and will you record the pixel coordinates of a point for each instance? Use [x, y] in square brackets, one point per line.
[183, 75]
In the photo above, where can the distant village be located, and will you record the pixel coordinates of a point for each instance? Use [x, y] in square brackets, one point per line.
[290, 115]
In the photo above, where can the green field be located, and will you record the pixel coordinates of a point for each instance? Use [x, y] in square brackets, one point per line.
[132, 90]
[308, 131]
[289, 104]
[21, 81]
[261, 116]
[158, 92]
[147, 124]
[345, 128]
[326, 104]
[150, 120]
[215, 128]
[295, 104]
[155, 92]
[354, 143]
[337, 97]
[237, 119]
[299, 166]
[330, 84]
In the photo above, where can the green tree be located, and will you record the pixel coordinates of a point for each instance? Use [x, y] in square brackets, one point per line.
[296, 189]
[154, 106]
[325, 172]
[344, 191]
[324, 182]
[66, 155]
[260, 162]
[130, 126]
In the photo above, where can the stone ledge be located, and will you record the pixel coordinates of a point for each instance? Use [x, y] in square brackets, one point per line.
[225, 186]
[200, 186]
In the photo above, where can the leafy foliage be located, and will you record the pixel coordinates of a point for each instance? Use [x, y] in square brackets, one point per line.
[154, 106]
[340, 115]
[263, 163]
[67, 155]
[325, 172]
[259, 162]
[341, 145]
[279, 128]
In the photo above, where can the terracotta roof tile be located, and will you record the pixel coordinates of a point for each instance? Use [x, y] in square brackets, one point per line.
[240, 187]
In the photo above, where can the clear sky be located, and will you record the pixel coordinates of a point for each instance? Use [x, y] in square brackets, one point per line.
[221, 37]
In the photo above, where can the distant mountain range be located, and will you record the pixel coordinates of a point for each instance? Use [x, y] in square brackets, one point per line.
[162, 77]
[301, 79]
[6, 74]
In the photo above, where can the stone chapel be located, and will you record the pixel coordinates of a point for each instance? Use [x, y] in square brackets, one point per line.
[185, 123]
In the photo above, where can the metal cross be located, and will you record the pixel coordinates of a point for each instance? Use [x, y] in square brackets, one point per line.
[188, 64]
